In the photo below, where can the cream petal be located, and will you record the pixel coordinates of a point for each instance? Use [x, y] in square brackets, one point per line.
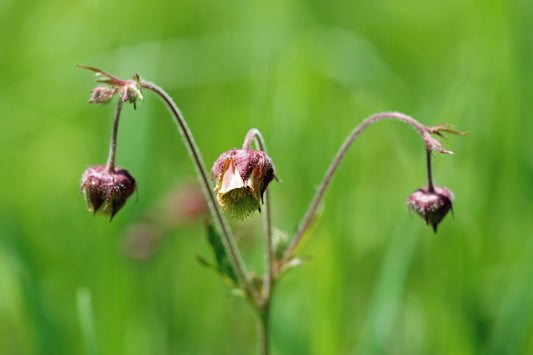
[231, 179]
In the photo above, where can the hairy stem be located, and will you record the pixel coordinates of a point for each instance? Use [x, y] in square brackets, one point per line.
[255, 135]
[110, 166]
[227, 236]
[429, 172]
[263, 334]
[308, 217]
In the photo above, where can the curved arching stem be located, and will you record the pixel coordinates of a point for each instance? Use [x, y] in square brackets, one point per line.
[227, 236]
[430, 142]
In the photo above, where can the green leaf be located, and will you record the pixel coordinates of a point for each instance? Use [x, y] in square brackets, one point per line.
[222, 264]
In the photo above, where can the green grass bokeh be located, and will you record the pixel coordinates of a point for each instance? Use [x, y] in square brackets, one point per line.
[304, 73]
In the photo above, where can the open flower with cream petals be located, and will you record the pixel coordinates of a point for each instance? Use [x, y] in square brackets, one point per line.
[242, 176]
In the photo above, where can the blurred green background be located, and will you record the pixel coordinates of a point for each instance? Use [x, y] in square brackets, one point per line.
[304, 73]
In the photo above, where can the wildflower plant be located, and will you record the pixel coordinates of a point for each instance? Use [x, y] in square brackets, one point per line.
[240, 187]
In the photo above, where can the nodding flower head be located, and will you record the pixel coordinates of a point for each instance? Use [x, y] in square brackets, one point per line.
[106, 192]
[242, 176]
[432, 206]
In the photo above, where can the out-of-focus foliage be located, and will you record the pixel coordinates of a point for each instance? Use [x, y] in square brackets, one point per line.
[304, 73]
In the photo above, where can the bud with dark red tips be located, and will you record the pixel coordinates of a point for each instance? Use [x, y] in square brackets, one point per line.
[106, 192]
[432, 206]
[242, 176]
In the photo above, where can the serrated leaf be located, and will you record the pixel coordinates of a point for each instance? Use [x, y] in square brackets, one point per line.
[222, 264]
[206, 263]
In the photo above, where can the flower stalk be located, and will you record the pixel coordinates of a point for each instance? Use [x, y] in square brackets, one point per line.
[431, 202]
[263, 331]
[107, 188]
[425, 132]
[227, 236]
[255, 135]
[242, 177]
[110, 165]
[429, 172]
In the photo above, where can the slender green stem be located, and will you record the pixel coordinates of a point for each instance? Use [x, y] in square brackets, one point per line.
[227, 236]
[110, 166]
[255, 135]
[263, 312]
[429, 172]
[308, 217]
[263, 333]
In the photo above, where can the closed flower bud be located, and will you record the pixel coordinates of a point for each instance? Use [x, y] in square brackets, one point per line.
[432, 206]
[106, 192]
[241, 177]
[102, 95]
[131, 92]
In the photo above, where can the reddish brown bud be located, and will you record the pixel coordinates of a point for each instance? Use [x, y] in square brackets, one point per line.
[242, 176]
[432, 206]
[106, 192]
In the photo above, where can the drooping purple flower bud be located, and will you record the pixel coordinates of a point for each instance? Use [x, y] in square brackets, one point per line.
[106, 192]
[432, 206]
[242, 176]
